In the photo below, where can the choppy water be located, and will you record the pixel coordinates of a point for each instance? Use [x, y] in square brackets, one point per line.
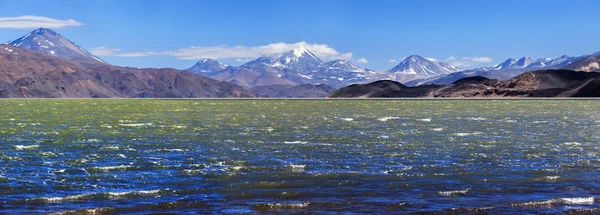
[299, 156]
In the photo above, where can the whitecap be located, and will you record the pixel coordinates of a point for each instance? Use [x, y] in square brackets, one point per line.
[578, 201]
[454, 192]
[295, 142]
[110, 148]
[437, 129]
[477, 118]
[109, 195]
[23, 147]
[567, 201]
[467, 134]
[110, 168]
[283, 205]
[424, 120]
[572, 143]
[385, 119]
[297, 166]
[135, 124]
[347, 119]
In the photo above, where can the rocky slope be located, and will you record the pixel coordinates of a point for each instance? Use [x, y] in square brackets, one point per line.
[30, 74]
[587, 64]
[543, 83]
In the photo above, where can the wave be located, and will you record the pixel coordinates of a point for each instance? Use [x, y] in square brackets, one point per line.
[424, 120]
[279, 206]
[23, 147]
[347, 119]
[467, 134]
[103, 195]
[454, 192]
[307, 143]
[110, 168]
[572, 143]
[135, 124]
[385, 119]
[295, 142]
[559, 201]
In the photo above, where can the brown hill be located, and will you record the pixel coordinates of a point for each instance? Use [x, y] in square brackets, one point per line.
[588, 64]
[545, 83]
[25, 73]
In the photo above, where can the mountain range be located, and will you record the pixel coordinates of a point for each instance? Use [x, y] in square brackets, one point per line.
[503, 71]
[301, 66]
[43, 63]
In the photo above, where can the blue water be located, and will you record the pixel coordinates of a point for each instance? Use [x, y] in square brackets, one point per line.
[299, 156]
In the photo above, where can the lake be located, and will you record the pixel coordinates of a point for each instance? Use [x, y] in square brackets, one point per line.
[226, 156]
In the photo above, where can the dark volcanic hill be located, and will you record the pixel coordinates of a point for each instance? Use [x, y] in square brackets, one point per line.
[543, 83]
[294, 91]
[30, 74]
[50, 43]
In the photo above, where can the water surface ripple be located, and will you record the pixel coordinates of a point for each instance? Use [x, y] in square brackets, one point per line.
[299, 156]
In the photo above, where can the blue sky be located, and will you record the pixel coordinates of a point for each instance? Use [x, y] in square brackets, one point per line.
[466, 33]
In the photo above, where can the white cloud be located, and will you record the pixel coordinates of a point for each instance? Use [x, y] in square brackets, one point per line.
[363, 60]
[322, 51]
[104, 51]
[242, 60]
[30, 22]
[431, 59]
[466, 62]
[478, 59]
[392, 60]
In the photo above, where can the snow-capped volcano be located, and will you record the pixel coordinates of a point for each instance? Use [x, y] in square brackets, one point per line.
[299, 59]
[51, 43]
[422, 67]
[207, 65]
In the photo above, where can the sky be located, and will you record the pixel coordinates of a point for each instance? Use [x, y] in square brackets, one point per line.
[374, 34]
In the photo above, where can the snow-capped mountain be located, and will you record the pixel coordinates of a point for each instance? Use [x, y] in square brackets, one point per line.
[207, 65]
[503, 71]
[299, 59]
[340, 66]
[422, 67]
[341, 73]
[51, 43]
[530, 63]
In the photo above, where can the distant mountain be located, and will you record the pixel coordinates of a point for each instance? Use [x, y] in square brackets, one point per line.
[340, 73]
[417, 67]
[503, 71]
[299, 59]
[48, 42]
[248, 78]
[30, 74]
[206, 65]
[299, 66]
[542, 83]
[529, 63]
